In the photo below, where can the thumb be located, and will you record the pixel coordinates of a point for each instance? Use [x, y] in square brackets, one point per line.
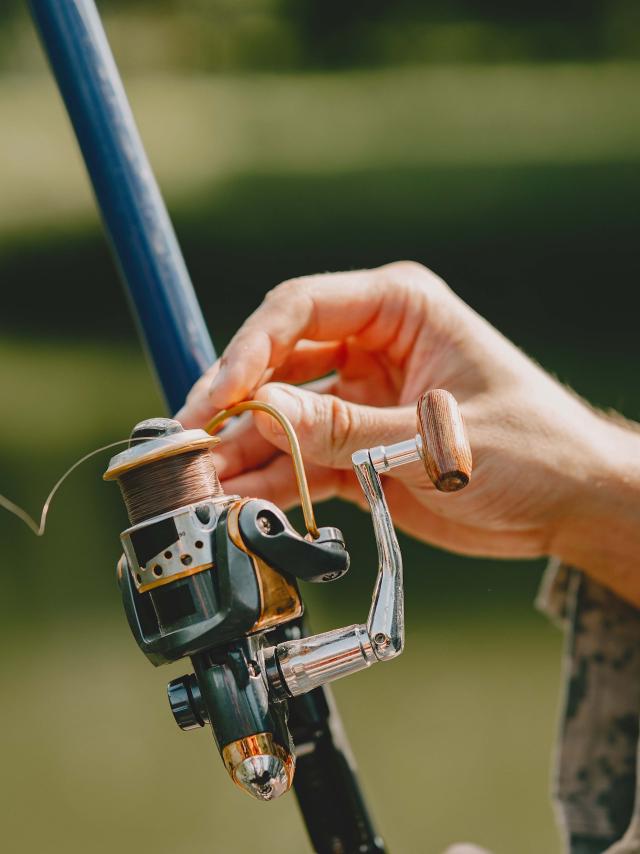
[329, 428]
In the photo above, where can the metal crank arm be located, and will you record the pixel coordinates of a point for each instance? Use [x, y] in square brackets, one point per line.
[297, 666]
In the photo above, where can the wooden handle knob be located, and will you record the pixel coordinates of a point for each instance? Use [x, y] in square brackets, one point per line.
[445, 446]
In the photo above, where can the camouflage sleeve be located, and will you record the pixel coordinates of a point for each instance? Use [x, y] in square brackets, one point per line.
[595, 779]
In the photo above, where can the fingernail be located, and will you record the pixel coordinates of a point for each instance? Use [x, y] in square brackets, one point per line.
[216, 383]
[220, 371]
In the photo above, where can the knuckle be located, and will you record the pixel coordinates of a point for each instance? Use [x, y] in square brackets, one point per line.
[408, 267]
[285, 289]
[272, 296]
[413, 274]
[294, 299]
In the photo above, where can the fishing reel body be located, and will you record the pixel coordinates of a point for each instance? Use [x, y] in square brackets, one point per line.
[207, 580]
[212, 577]
[241, 556]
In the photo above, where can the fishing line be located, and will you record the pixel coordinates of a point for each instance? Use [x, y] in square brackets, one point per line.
[39, 528]
[168, 483]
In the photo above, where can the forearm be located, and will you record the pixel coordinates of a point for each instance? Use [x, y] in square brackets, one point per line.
[600, 533]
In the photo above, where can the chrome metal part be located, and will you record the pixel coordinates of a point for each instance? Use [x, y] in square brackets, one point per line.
[386, 617]
[154, 428]
[387, 457]
[264, 777]
[260, 766]
[309, 662]
[188, 553]
[298, 666]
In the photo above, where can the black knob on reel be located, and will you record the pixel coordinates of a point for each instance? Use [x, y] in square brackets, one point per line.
[186, 702]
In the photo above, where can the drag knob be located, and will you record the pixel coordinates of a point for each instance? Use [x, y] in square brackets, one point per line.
[186, 702]
[155, 428]
[445, 450]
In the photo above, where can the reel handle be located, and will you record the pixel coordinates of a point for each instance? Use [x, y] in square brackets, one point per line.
[300, 665]
[443, 442]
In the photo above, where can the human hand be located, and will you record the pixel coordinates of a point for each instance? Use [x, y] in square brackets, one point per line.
[545, 463]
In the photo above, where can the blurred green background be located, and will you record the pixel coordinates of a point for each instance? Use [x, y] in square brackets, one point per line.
[498, 143]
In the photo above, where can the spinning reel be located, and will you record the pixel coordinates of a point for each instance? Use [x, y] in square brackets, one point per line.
[214, 577]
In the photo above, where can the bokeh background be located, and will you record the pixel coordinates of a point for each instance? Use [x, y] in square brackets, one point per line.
[498, 143]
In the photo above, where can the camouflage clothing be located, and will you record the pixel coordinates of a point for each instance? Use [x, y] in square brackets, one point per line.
[595, 785]
[596, 774]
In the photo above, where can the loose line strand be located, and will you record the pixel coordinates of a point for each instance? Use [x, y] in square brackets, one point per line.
[39, 528]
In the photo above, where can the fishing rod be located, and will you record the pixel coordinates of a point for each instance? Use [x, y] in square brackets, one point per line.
[210, 577]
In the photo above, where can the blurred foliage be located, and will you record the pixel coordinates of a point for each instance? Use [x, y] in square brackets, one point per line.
[518, 184]
[375, 31]
[292, 34]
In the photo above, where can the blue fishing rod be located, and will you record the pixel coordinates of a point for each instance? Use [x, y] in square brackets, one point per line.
[179, 348]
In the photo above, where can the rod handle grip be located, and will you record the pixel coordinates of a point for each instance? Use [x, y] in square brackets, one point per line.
[445, 452]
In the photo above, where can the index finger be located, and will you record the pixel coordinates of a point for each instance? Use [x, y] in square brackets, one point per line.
[328, 307]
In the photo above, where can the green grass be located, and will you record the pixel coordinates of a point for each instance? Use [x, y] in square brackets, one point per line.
[453, 742]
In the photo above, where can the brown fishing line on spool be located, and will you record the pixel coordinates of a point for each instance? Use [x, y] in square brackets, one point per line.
[170, 482]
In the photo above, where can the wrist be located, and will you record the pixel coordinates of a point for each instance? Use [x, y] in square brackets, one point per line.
[600, 530]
